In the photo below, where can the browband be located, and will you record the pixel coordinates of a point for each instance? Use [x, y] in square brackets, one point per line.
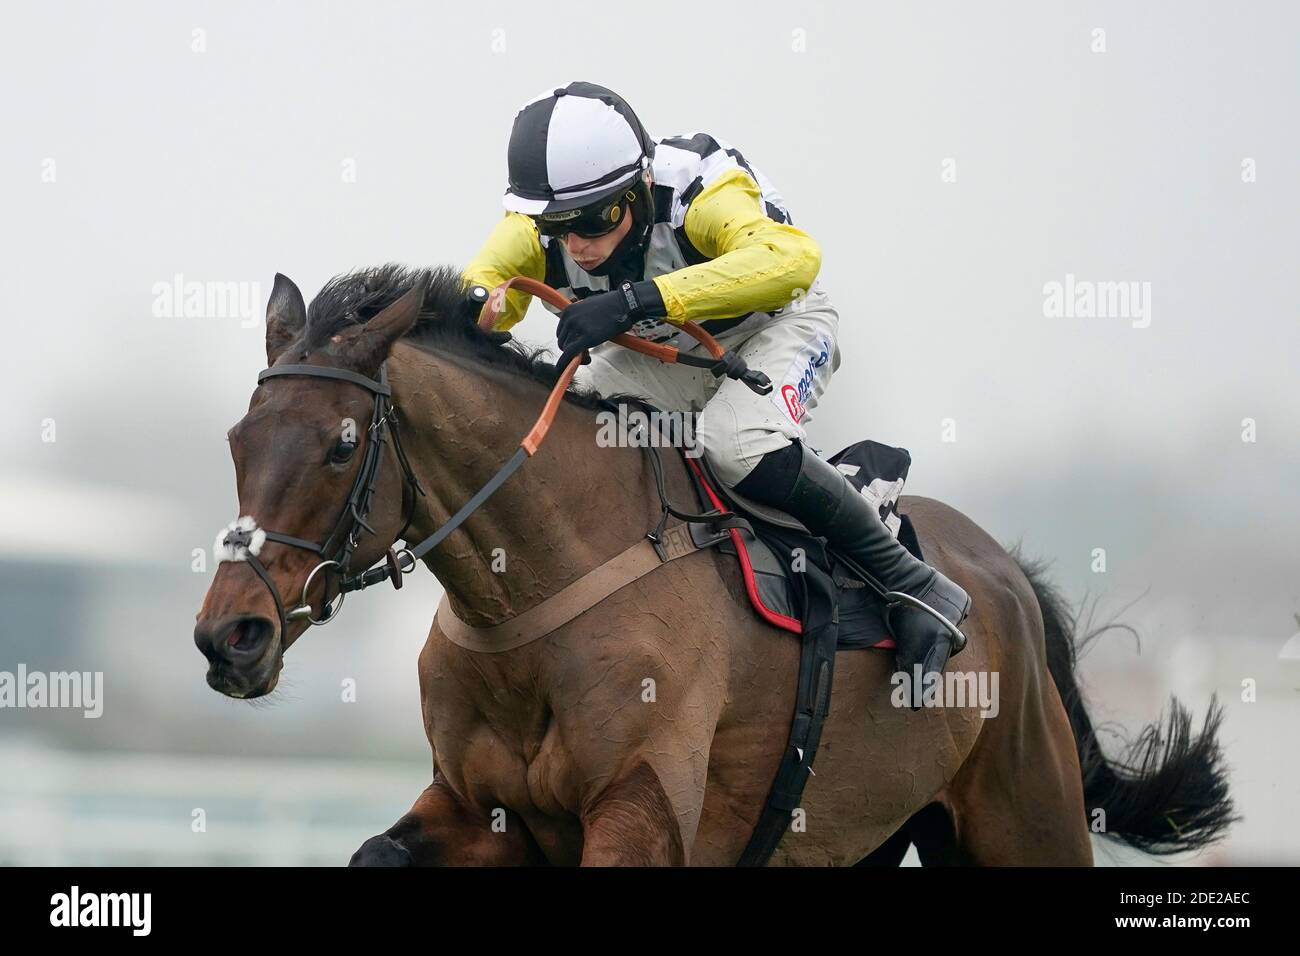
[325, 371]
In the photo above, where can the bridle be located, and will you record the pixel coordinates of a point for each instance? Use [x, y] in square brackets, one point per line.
[244, 542]
[243, 539]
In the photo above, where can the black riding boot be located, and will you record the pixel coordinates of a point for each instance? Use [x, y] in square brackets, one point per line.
[817, 493]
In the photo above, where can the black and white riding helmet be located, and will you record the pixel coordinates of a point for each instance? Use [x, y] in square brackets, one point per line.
[576, 153]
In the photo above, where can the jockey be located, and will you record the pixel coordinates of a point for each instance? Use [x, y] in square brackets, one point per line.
[646, 234]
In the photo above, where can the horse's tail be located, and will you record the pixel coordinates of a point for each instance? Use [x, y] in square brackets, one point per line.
[1169, 790]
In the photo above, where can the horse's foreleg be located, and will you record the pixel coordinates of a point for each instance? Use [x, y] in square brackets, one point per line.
[632, 823]
[442, 830]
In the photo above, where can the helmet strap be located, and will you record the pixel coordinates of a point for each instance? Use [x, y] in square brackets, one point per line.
[627, 261]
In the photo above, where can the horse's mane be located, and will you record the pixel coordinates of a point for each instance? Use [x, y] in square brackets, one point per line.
[356, 297]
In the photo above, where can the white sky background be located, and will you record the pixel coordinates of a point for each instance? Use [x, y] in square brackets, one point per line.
[1072, 434]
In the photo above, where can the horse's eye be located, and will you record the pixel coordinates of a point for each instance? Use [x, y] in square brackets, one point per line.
[342, 452]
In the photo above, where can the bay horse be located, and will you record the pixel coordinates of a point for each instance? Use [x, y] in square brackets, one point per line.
[555, 752]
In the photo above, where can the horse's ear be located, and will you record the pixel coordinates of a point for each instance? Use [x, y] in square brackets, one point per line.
[376, 337]
[285, 316]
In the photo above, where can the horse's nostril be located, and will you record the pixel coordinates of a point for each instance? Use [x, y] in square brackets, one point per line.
[248, 635]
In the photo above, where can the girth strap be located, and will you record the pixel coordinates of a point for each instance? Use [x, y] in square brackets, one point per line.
[583, 594]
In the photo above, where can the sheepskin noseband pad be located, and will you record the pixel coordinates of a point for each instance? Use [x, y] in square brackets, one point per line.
[238, 540]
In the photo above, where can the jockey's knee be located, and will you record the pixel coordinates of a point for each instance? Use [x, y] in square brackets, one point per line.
[732, 450]
[729, 469]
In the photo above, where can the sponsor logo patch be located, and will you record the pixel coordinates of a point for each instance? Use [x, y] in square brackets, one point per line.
[796, 388]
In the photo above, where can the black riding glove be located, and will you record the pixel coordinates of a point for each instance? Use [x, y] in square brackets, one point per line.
[598, 318]
[471, 305]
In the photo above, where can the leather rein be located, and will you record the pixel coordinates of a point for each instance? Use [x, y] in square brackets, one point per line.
[243, 540]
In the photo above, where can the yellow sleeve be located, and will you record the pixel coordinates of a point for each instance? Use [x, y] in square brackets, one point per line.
[756, 263]
[512, 249]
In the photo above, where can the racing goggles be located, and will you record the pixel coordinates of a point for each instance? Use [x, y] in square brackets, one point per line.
[588, 222]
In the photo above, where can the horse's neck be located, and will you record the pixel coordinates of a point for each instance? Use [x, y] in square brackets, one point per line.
[569, 508]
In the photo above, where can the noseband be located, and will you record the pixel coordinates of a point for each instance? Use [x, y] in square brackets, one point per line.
[243, 540]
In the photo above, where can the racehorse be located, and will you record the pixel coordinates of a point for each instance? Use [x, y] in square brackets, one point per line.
[647, 730]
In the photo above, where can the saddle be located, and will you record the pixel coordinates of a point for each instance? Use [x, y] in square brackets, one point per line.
[774, 551]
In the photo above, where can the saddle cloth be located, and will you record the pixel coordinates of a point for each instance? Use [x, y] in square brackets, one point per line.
[775, 572]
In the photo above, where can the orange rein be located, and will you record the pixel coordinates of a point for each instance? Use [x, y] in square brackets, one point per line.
[664, 353]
